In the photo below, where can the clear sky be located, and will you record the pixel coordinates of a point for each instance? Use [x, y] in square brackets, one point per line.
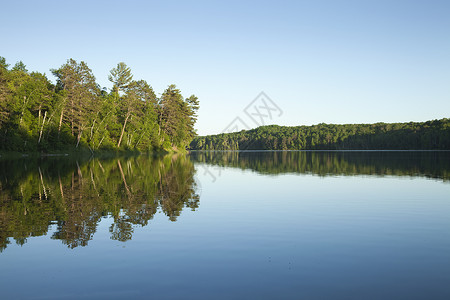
[319, 61]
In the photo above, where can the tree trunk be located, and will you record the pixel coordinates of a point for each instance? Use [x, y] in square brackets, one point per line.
[99, 143]
[60, 121]
[79, 137]
[123, 177]
[42, 127]
[23, 109]
[72, 114]
[123, 130]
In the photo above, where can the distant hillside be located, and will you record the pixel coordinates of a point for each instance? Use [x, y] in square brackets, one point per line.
[430, 135]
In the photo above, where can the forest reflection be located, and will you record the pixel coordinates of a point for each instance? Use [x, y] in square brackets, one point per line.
[431, 164]
[74, 195]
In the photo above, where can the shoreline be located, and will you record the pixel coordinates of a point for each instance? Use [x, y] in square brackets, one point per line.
[77, 154]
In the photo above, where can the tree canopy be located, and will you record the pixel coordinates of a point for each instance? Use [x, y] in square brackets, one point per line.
[430, 135]
[74, 113]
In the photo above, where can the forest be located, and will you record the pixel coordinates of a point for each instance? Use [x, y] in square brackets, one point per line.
[430, 135]
[76, 113]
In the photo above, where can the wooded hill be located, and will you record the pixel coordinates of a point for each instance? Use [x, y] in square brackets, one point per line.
[431, 135]
[74, 113]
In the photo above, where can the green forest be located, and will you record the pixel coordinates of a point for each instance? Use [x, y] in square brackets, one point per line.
[431, 135]
[76, 113]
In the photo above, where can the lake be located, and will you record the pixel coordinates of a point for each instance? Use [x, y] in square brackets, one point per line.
[227, 225]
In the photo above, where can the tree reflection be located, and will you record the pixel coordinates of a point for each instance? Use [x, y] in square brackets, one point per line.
[75, 195]
[432, 164]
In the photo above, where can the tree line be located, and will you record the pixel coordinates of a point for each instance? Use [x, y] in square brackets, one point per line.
[74, 195]
[75, 112]
[430, 135]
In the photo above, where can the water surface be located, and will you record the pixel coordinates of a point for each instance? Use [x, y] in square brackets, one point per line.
[269, 225]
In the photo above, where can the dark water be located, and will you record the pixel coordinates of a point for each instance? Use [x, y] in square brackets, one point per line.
[227, 225]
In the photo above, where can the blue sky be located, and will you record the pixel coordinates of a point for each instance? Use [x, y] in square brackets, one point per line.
[319, 61]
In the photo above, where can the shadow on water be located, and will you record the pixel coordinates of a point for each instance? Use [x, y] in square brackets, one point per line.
[75, 195]
[431, 164]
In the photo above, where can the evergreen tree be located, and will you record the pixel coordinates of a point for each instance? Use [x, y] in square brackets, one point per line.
[397, 136]
[37, 115]
[178, 116]
[121, 77]
[80, 98]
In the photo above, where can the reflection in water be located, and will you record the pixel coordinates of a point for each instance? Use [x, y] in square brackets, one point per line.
[432, 164]
[298, 236]
[75, 195]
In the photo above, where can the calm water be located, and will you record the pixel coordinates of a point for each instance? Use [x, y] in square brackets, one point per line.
[227, 225]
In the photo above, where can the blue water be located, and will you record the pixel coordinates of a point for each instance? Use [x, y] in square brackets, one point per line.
[255, 235]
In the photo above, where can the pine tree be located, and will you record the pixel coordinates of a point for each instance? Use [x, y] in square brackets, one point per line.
[80, 96]
[121, 77]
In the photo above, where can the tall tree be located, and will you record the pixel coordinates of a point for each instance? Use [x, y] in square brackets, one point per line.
[137, 108]
[170, 113]
[37, 115]
[121, 77]
[130, 106]
[178, 116]
[81, 93]
[191, 108]
[144, 123]
[4, 91]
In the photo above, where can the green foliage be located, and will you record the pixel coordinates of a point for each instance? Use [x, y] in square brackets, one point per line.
[121, 77]
[431, 135]
[36, 115]
[80, 97]
[177, 117]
